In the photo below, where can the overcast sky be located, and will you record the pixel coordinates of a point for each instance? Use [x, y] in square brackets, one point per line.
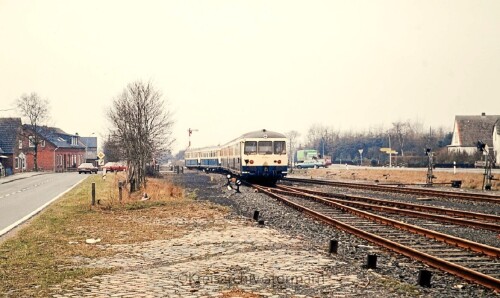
[229, 67]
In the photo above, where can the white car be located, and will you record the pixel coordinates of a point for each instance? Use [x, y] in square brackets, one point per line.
[312, 163]
[87, 168]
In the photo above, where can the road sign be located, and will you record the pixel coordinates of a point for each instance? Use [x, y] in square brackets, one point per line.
[100, 155]
[385, 149]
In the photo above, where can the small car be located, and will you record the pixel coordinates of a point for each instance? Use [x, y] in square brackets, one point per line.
[114, 167]
[87, 167]
[311, 164]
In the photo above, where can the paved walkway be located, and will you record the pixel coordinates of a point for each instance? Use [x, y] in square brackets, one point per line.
[213, 260]
[18, 176]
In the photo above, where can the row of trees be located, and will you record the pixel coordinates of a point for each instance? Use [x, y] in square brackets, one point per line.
[408, 138]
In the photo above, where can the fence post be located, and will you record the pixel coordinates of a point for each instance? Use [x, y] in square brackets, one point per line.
[93, 193]
[120, 187]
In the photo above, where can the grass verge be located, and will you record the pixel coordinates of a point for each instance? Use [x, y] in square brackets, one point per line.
[42, 254]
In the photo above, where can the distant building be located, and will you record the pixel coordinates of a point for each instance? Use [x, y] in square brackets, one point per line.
[56, 151]
[12, 161]
[468, 130]
[496, 142]
[90, 144]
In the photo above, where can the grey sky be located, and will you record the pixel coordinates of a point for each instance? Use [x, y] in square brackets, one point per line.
[229, 67]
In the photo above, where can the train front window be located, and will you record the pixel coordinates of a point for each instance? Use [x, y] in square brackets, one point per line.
[250, 147]
[279, 147]
[265, 147]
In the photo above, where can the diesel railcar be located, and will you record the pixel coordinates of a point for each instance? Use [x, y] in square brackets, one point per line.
[207, 158]
[259, 156]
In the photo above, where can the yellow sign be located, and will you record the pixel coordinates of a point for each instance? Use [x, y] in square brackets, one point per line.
[388, 151]
[100, 155]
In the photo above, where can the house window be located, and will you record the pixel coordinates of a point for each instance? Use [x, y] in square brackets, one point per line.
[20, 145]
[16, 162]
[31, 141]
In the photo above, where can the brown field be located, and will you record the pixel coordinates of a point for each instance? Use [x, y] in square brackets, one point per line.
[469, 180]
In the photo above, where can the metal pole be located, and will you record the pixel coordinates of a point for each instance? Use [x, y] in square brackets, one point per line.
[390, 152]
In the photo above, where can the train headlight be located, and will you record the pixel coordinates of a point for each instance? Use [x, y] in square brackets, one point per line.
[251, 161]
[228, 176]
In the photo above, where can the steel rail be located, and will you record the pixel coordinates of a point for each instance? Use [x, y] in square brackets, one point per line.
[463, 272]
[442, 218]
[420, 214]
[439, 210]
[464, 243]
[416, 191]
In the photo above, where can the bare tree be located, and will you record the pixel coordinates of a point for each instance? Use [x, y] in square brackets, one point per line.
[401, 130]
[142, 127]
[36, 110]
[292, 140]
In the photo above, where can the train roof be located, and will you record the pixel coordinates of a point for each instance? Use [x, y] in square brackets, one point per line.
[263, 133]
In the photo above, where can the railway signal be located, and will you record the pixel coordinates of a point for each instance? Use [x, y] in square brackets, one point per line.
[487, 176]
[190, 131]
[430, 175]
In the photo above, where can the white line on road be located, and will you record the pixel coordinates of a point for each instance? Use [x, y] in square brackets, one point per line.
[7, 229]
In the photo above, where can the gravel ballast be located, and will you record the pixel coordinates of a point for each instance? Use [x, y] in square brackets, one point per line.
[395, 275]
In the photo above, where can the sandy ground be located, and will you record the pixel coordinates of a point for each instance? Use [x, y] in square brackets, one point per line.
[471, 178]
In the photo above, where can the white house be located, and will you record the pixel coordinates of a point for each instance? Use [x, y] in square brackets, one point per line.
[468, 130]
[496, 143]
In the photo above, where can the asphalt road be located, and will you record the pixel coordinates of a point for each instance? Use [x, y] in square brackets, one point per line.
[20, 198]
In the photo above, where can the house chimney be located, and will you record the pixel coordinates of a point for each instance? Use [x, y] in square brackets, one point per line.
[483, 114]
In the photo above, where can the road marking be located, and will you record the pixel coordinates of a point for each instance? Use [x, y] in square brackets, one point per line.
[7, 229]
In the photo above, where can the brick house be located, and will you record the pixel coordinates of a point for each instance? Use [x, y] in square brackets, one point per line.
[58, 151]
[10, 129]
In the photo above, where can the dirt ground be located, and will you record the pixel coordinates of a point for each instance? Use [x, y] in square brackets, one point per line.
[470, 180]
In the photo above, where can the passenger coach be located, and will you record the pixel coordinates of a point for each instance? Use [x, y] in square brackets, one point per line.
[259, 155]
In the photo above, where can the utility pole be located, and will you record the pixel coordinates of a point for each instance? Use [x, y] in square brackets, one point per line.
[390, 152]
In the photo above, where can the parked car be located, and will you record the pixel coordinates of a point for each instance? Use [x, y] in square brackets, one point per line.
[114, 167]
[312, 163]
[87, 168]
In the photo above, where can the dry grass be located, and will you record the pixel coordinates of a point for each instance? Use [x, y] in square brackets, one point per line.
[41, 254]
[469, 180]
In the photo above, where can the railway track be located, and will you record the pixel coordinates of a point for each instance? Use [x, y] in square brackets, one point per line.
[406, 190]
[472, 261]
[472, 219]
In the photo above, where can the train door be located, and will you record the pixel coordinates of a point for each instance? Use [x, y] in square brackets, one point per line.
[240, 156]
